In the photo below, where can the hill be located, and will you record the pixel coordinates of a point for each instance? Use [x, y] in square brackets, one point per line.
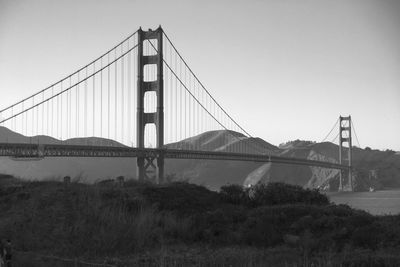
[8, 136]
[225, 141]
[214, 174]
[385, 164]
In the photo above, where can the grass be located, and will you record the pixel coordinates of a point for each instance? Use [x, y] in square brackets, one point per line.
[181, 224]
[175, 256]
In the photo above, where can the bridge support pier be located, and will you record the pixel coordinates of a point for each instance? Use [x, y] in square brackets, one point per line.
[151, 168]
[145, 164]
[343, 160]
[160, 169]
[140, 171]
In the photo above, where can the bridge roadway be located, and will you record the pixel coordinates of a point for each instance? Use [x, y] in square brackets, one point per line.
[26, 151]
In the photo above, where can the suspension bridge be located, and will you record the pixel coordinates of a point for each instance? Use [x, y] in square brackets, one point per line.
[142, 95]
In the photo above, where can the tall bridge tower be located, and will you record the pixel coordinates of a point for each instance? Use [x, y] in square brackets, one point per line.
[145, 164]
[345, 158]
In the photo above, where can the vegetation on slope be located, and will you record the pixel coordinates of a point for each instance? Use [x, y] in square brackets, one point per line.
[107, 220]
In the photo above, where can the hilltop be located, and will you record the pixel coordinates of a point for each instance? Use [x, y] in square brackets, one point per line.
[225, 141]
[8, 136]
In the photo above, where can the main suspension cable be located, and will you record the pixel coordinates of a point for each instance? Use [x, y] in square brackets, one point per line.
[237, 124]
[334, 126]
[197, 100]
[67, 77]
[355, 133]
[65, 90]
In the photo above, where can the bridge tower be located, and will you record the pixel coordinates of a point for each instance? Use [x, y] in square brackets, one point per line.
[145, 163]
[345, 127]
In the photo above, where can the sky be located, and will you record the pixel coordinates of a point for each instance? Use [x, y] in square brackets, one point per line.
[284, 70]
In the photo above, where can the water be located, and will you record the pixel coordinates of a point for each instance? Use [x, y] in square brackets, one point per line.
[377, 203]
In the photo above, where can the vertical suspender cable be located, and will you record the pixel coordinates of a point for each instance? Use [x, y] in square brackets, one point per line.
[355, 134]
[109, 96]
[94, 97]
[48, 116]
[115, 93]
[33, 118]
[101, 97]
[185, 124]
[77, 107]
[37, 120]
[12, 114]
[52, 111]
[43, 114]
[23, 119]
[129, 95]
[57, 117]
[169, 92]
[86, 106]
[61, 110]
[189, 107]
[122, 95]
[134, 94]
[173, 100]
[67, 111]
[70, 107]
[180, 101]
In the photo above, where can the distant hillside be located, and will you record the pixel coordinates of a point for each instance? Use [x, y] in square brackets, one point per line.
[217, 173]
[226, 141]
[8, 136]
[385, 163]
[214, 174]
[211, 173]
[84, 169]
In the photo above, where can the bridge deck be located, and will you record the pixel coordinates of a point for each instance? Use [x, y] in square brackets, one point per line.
[56, 150]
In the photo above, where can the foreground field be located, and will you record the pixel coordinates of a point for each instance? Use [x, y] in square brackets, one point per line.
[183, 256]
[377, 203]
[179, 224]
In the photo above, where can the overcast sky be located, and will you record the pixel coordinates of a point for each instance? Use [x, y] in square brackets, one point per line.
[283, 69]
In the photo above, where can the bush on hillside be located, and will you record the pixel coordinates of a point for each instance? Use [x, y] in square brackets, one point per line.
[180, 197]
[234, 194]
[220, 226]
[367, 236]
[114, 220]
[280, 193]
[271, 194]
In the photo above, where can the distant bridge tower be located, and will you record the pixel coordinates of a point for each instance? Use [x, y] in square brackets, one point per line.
[145, 164]
[345, 127]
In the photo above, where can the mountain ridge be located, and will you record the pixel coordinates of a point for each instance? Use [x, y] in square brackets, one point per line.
[210, 173]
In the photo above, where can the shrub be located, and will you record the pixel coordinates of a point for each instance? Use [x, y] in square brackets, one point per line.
[234, 194]
[221, 226]
[367, 236]
[280, 193]
[182, 198]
